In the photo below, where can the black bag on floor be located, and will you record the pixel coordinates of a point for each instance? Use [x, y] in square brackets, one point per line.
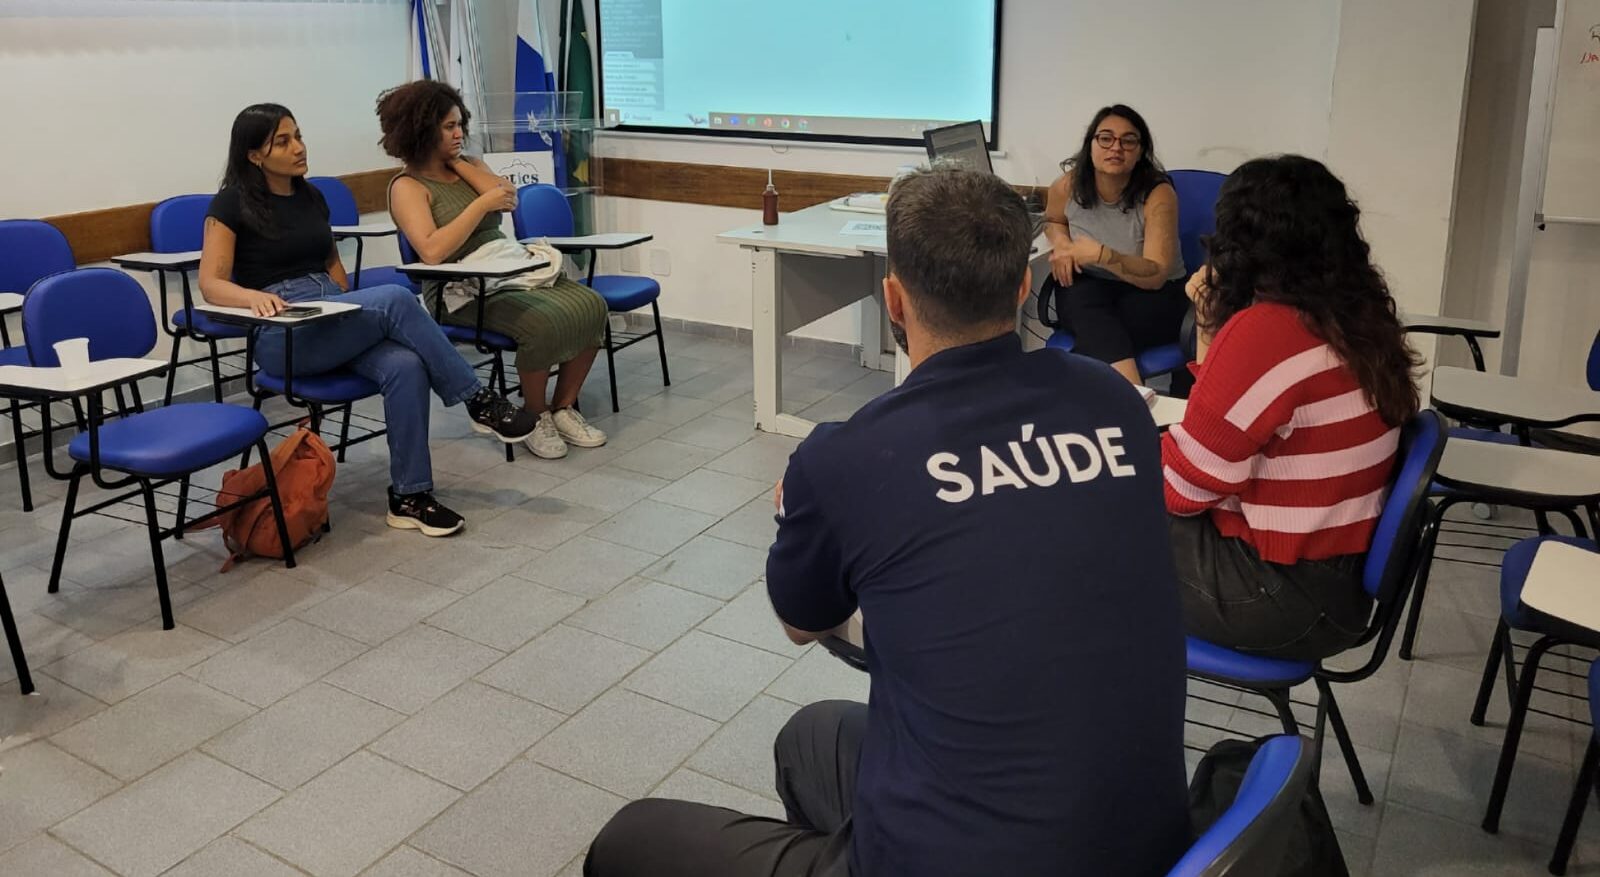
[1312, 850]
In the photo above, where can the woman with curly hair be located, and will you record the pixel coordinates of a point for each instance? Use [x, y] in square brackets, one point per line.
[448, 206]
[1277, 474]
[1112, 222]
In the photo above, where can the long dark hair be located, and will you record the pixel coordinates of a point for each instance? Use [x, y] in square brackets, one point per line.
[254, 128]
[1147, 171]
[1287, 232]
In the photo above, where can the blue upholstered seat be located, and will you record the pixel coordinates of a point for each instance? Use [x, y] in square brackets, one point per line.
[174, 440]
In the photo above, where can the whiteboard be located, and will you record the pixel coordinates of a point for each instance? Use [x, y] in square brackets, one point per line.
[1572, 180]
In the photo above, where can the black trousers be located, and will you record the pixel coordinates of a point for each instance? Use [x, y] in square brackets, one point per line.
[1114, 320]
[1231, 597]
[816, 753]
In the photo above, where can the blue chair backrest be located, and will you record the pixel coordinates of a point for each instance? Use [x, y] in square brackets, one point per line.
[178, 224]
[407, 253]
[1594, 362]
[103, 305]
[29, 251]
[1250, 837]
[542, 212]
[341, 201]
[1399, 529]
[1197, 212]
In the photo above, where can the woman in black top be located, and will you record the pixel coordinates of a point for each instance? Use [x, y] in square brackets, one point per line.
[268, 244]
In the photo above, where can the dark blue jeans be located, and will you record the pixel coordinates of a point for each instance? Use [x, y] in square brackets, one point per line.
[392, 342]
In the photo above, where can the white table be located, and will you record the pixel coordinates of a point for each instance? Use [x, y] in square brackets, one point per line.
[248, 317]
[10, 302]
[185, 261]
[1472, 395]
[803, 269]
[27, 381]
[1168, 411]
[1527, 477]
[1563, 582]
[470, 269]
[615, 240]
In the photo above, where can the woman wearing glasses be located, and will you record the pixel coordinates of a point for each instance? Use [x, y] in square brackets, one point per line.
[1112, 222]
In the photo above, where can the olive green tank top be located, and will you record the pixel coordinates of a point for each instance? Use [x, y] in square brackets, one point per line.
[448, 201]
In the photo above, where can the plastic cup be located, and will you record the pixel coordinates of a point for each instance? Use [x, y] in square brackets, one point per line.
[73, 355]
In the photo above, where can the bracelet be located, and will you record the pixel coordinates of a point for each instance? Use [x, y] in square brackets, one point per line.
[1102, 259]
[1050, 221]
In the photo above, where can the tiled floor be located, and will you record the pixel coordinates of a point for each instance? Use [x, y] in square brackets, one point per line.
[481, 705]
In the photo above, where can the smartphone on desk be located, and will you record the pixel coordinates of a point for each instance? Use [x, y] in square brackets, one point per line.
[300, 312]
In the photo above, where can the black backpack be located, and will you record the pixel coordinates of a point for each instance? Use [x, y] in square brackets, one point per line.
[1313, 848]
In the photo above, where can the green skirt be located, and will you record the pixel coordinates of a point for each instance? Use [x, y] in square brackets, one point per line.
[551, 324]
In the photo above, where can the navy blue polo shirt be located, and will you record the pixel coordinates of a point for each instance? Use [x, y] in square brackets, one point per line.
[999, 521]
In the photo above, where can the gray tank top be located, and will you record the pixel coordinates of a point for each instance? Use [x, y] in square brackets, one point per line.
[1121, 230]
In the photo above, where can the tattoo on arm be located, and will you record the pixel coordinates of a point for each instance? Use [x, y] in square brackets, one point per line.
[1131, 267]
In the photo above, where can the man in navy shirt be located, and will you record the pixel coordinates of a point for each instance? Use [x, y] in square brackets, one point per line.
[998, 521]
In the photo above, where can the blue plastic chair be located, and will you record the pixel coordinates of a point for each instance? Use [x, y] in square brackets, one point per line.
[150, 449]
[177, 225]
[30, 250]
[342, 210]
[1551, 631]
[1250, 837]
[1390, 566]
[543, 211]
[1588, 772]
[1197, 218]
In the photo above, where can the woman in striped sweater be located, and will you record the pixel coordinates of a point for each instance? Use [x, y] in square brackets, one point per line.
[1277, 474]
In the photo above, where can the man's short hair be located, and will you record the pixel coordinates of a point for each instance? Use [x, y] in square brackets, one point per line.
[959, 242]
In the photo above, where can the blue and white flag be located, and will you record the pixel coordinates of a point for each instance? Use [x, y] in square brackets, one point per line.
[533, 72]
[427, 56]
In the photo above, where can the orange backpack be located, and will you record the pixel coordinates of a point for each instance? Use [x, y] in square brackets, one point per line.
[303, 467]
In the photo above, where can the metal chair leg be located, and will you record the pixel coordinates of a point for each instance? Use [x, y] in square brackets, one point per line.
[183, 507]
[344, 429]
[1491, 668]
[611, 367]
[1508, 749]
[70, 503]
[661, 344]
[172, 369]
[156, 556]
[277, 506]
[1346, 746]
[13, 639]
[1575, 808]
[216, 370]
[1419, 588]
[20, 447]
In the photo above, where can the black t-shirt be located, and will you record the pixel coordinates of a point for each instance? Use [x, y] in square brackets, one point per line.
[999, 521]
[300, 243]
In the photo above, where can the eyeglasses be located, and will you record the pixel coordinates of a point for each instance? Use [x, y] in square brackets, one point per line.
[1106, 140]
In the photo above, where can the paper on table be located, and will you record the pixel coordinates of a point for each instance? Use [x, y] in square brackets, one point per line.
[1149, 396]
[865, 227]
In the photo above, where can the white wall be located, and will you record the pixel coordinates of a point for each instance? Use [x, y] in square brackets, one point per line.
[115, 102]
[1220, 82]
[1563, 303]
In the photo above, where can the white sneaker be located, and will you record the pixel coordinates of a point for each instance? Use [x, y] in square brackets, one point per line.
[546, 440]
[576, 430]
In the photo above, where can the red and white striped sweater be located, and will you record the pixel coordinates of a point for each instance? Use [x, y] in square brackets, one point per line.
[1280, 443]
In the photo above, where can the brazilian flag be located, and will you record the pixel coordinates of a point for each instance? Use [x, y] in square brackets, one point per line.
[578, 76]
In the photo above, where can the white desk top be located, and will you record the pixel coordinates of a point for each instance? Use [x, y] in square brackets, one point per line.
[244, 315]
[492, 268]
[614, 240]
[365, 230]
[814, 230]
[1563, 582]
[1168, 411]
[1481, 395]
[54, 380]
[158, 260]
[10, 301]
[1448, 325]
[1512, 469]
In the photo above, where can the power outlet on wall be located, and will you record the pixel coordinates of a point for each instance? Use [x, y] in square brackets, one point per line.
[630, 261]
[660, 263]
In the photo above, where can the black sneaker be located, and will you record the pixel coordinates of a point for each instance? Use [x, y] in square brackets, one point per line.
[493, 413]
[420, 511]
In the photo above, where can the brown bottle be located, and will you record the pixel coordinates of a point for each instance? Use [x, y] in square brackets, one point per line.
[769, 203]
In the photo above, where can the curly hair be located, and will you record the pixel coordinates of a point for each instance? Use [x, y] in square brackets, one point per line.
[1288, 232]
[410, 116]
[1147, 172]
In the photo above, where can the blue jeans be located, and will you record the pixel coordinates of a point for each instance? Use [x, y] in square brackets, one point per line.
[392, 342]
